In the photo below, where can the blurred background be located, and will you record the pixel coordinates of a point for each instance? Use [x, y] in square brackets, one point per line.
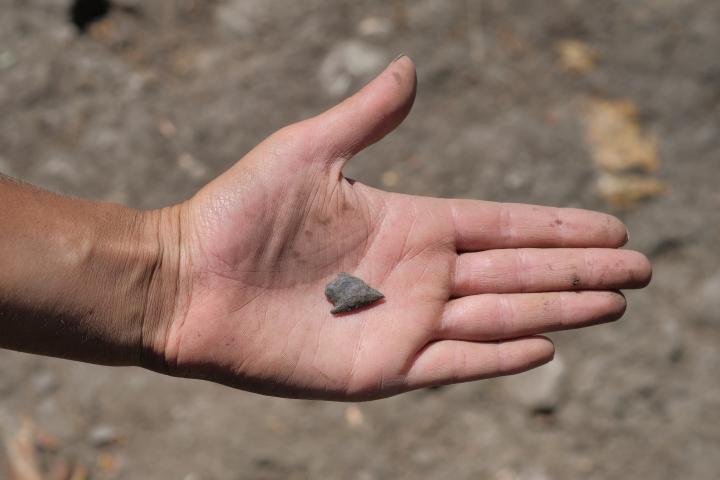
[609, 105]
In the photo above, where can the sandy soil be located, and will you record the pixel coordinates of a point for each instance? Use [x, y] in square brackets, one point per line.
[162, 96]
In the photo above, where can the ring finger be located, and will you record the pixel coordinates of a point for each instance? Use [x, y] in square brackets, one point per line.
[492, 317]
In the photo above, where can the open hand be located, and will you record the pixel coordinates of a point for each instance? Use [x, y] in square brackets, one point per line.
[469, 285]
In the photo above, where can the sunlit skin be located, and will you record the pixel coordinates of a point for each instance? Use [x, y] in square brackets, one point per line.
[469, 285]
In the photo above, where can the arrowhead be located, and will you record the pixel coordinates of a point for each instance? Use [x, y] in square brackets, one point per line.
[350, 293]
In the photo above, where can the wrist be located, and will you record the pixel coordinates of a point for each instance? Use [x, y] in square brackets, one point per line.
[162, 298]
[85, 280]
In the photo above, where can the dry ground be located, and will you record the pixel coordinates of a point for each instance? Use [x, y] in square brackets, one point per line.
[158, 99]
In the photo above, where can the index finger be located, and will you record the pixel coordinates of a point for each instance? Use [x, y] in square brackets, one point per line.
[481, 225]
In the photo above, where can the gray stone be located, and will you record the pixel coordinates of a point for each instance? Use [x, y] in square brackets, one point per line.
[103, 436]
[347, 62]
[672, 341]
[350, 293]
[706, 301]
[375, 27]
[240, 18]
[539, 389]
[45, 383]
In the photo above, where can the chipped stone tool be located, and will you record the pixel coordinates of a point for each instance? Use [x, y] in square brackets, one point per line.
[349, 293]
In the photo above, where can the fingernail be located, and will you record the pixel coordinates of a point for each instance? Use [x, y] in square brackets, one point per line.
[398, 58]
[627, 235]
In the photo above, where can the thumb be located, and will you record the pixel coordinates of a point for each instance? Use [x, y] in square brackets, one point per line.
[369, 115]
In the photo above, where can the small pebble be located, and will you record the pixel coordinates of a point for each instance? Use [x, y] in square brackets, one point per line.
[539, 390]
[354, 416]
[348, 62]
[375, 27]
[45, 383]
[103, 436]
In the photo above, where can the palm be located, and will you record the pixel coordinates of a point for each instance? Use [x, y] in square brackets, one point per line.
[264, 239]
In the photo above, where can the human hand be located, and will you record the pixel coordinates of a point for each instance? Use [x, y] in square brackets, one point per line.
[468, 284]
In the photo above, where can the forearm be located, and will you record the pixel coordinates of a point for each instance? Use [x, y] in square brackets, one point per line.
[81, 280]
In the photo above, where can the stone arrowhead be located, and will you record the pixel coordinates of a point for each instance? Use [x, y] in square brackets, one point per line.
[350, 293]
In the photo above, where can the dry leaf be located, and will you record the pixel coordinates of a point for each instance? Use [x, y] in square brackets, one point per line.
[21, 454]
[576, 56]
[624, 191]
[354, 416]
[390, 178]
[623, 153]
[107, 463]
[166, 128]
[616, 140]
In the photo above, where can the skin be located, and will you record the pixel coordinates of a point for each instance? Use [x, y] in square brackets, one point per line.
[228, 286]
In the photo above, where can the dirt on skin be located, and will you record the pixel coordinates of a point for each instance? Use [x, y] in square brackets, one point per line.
[160, 97]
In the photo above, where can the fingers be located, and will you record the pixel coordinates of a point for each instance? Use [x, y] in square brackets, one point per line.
[548, 270]
[500, 316]
[369, 115]
[453, 361]
[487, 225]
